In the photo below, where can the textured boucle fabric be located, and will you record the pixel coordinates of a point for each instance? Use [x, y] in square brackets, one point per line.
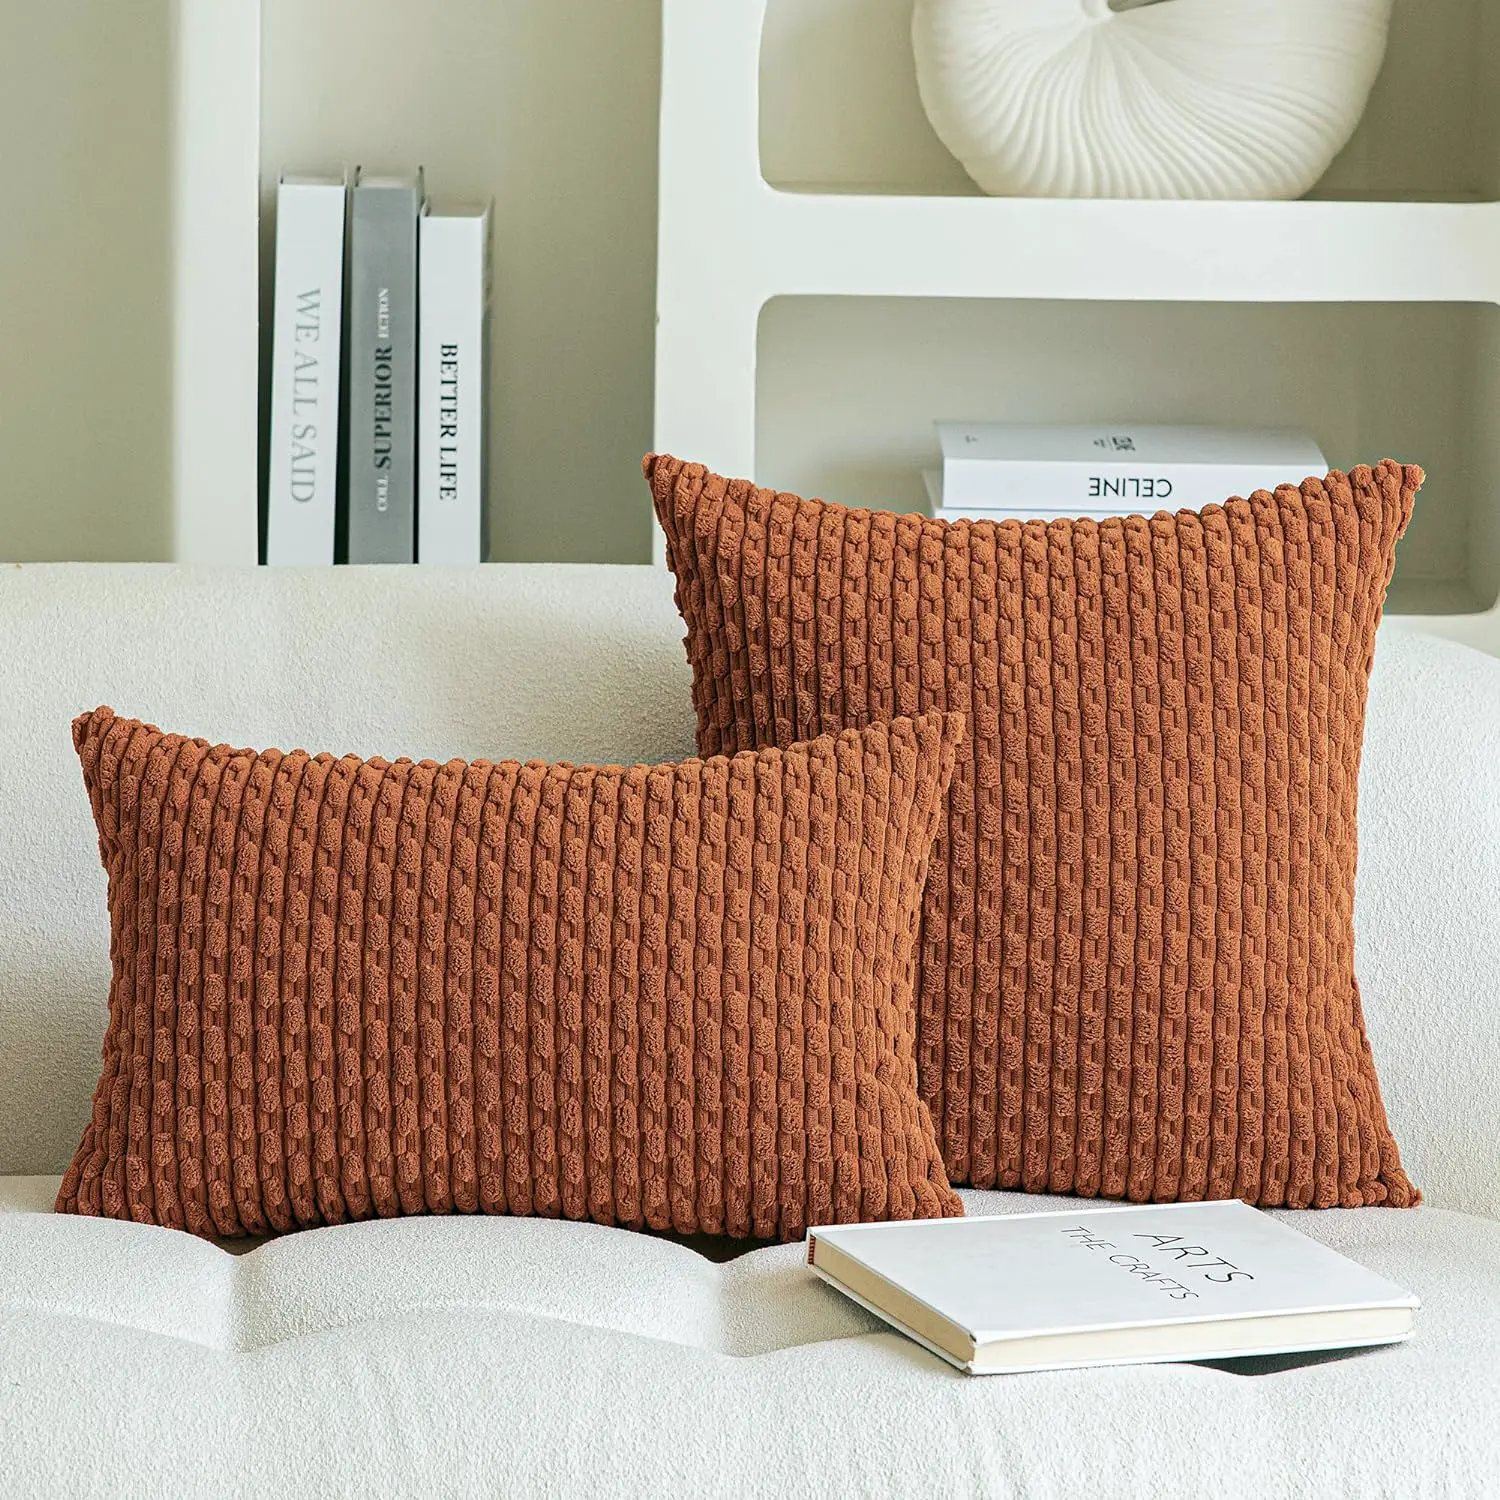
[1136, 969]
[676, 996]
[447, 1357]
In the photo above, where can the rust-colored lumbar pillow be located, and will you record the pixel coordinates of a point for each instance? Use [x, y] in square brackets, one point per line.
[1137, 959]
[677, 996]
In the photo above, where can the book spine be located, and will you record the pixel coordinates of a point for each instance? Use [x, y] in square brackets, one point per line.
[452, 369]
[1077, 488]
[302, 458]
[382, 374]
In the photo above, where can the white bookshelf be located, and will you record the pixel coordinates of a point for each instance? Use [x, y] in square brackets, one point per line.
[809, 334]
[827, 280]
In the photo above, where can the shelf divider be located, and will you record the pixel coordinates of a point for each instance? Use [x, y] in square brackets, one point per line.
[216, 255]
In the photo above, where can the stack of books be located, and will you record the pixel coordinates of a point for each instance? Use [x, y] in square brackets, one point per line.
[380, 365]
[995, 471]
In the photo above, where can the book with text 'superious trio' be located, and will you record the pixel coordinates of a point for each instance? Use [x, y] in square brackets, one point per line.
[302, 457]
[1138, 1284]
[452, 366]
[1119, 470]
[382, 405]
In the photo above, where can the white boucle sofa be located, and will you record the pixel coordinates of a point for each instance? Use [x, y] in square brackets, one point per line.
[458, 1356]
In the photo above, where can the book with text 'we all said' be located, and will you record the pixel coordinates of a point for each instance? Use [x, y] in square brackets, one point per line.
[302, 465]
[1140, 1284]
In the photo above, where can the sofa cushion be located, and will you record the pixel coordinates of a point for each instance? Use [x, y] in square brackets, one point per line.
[530, 1356]
[1137, 971]
[677, 996]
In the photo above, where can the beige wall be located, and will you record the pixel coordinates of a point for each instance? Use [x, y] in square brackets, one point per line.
[84, 337]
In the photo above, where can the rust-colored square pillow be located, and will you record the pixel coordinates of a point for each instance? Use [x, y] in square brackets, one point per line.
[671, 996]
[1137, 958]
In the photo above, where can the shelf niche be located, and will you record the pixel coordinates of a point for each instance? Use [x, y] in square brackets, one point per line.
[1414, 381]
[556, 121]
[840, 111]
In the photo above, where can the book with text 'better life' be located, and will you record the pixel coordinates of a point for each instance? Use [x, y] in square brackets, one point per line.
[453, 384]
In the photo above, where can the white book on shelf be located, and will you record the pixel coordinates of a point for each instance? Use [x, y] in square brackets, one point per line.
[933, 481]
[302, 461]
[1139, 1284]
[452, 384]
[1115, 470]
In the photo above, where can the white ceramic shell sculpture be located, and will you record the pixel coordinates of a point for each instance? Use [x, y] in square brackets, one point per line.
[1147, 98]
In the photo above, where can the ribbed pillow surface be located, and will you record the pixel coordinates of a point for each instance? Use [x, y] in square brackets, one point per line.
[1137, 959]
[677, 996]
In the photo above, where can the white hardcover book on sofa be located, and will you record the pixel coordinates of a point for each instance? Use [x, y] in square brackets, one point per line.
[1132, 1285]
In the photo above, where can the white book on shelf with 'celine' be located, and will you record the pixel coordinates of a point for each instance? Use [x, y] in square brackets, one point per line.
[1115, 470]
[452, 384]
[302, 457]
[933, 480]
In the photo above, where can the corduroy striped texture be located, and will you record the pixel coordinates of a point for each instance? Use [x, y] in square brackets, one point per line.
[677, 997]
[1137, 962]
